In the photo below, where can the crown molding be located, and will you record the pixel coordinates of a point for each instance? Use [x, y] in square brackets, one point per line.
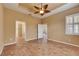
[15, 6]
[61, 9]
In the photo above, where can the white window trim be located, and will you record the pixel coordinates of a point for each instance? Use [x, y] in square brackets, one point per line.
[77, 14]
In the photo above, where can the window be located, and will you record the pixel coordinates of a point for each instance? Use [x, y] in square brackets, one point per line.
[72, 24]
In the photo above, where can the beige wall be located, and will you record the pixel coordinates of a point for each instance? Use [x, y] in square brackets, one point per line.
[1, 28]
[10, 18]
[56, 27]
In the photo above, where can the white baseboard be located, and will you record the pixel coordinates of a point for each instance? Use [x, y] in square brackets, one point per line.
[65, 43]
[49, 39]
[9, 44]
[15, 42]
[1, 49]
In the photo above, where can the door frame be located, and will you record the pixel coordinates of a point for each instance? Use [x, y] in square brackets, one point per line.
[16, 29]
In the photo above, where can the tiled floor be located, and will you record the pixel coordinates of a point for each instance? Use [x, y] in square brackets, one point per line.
[38, 48]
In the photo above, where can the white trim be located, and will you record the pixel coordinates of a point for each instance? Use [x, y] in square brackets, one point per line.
[24, 29]
[65, 43]
[1, 49]
[9, 43]
[16, 42]
[61, 9]
[49, 39]
[14, 6]
[73, 17]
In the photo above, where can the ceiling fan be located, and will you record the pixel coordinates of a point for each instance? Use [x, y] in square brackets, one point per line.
[41, 10]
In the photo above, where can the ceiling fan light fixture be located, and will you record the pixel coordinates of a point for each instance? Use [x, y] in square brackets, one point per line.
[41, 11]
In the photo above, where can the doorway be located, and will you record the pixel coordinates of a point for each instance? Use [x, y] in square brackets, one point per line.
[20, 32]
[42, 32]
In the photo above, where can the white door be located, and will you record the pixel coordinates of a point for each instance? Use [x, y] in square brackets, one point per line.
[20, 29]
[42, 31]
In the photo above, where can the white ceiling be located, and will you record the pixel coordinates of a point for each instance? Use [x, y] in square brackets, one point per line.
[15, 6]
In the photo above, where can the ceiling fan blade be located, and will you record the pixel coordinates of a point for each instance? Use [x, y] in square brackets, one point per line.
[36, 7]
[46, 11]
[36, 12]
[45, 6]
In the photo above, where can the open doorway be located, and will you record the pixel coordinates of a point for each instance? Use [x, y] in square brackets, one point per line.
[20, 32]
